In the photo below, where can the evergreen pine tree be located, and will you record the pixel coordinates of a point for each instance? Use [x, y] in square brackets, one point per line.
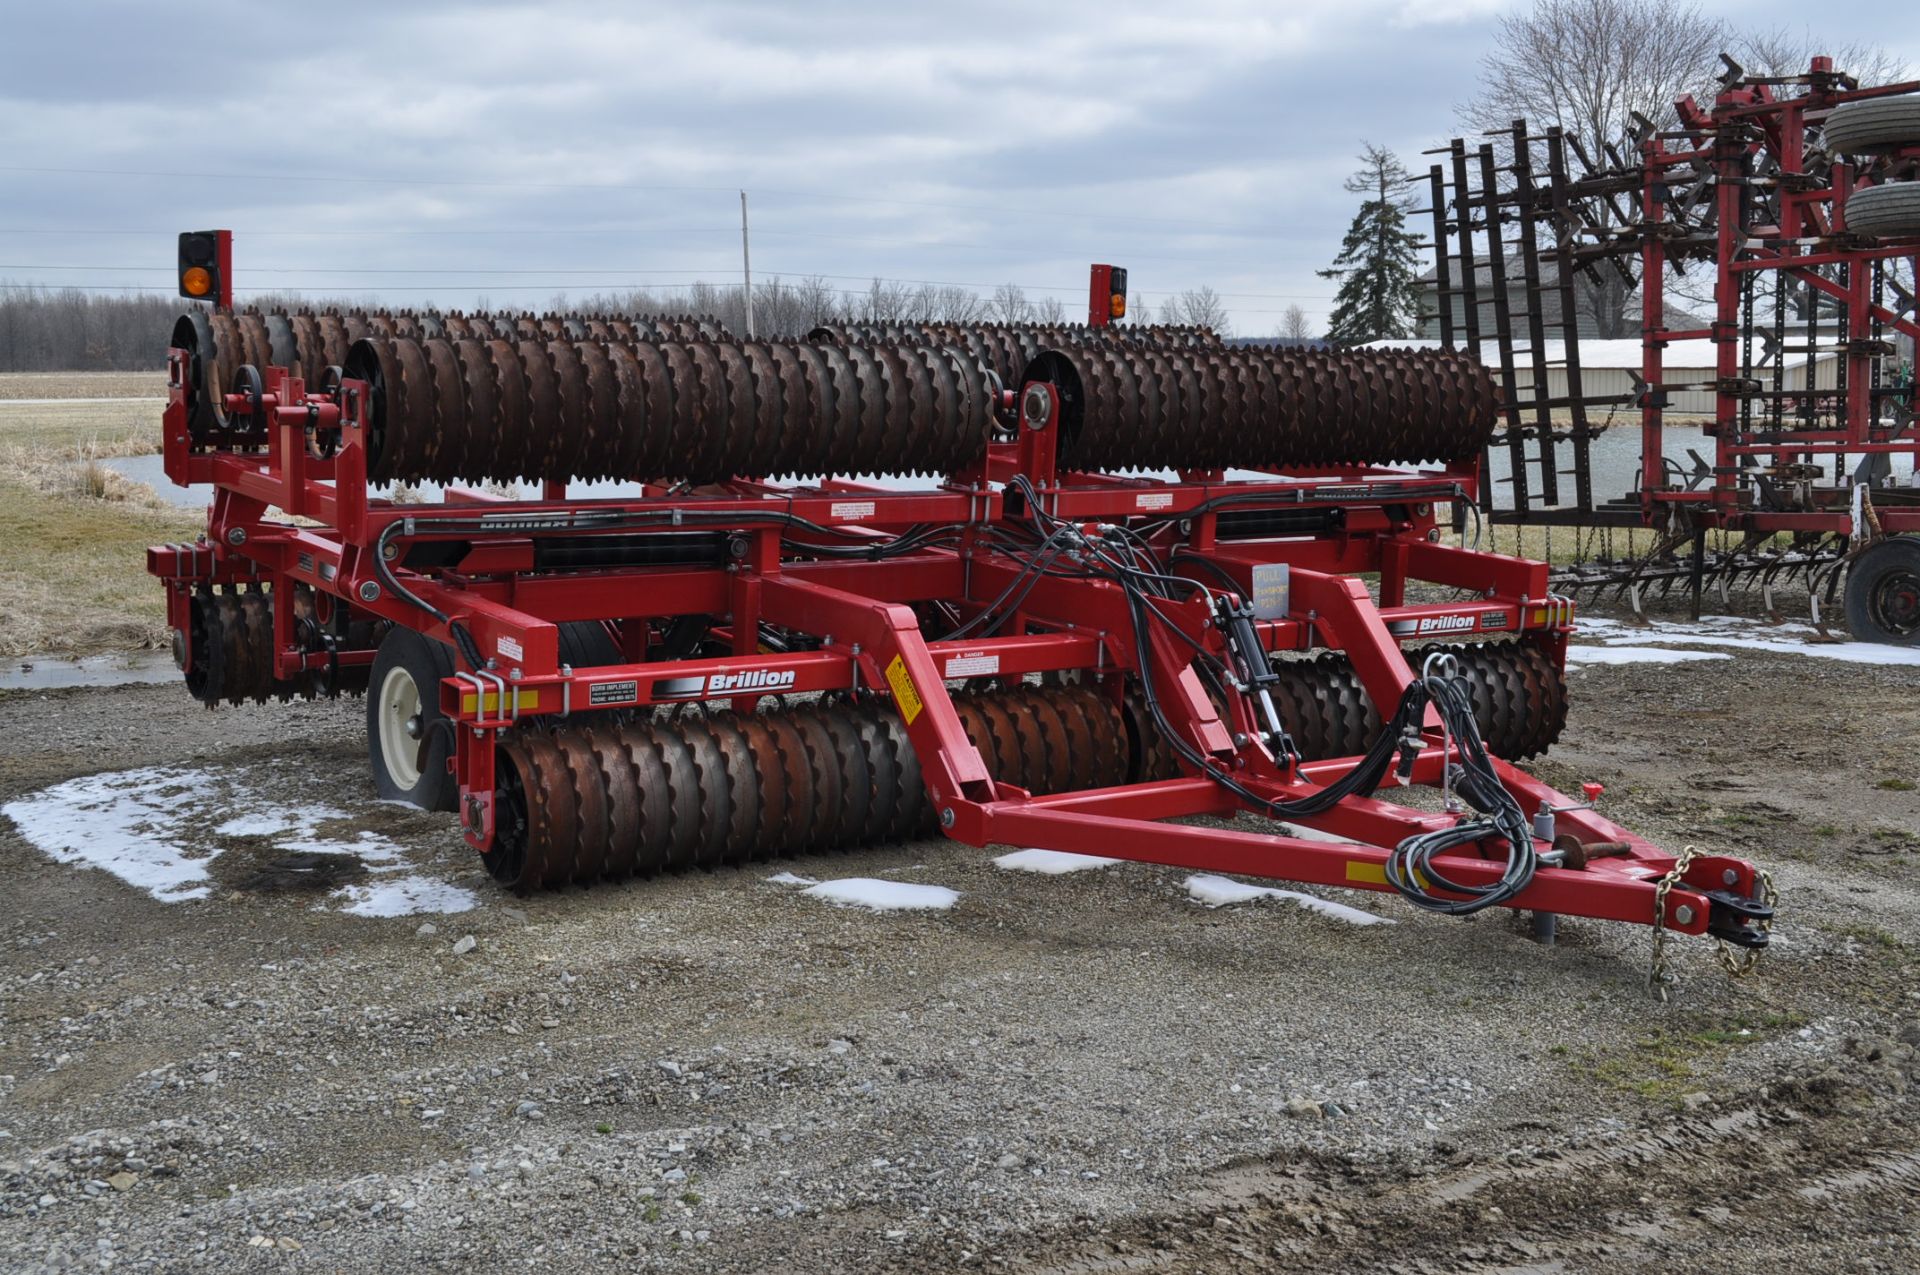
[1379, 295]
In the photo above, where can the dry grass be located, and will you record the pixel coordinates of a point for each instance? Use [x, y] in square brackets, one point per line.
[19, 385]
[76, 532]
[75, 582]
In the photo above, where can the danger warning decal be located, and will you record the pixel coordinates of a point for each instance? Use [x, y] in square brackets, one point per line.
[904, 693]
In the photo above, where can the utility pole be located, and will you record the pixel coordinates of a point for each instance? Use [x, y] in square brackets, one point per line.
[746, 262]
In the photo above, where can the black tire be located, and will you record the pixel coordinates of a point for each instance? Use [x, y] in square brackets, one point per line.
[587, 644]
[407, 742]
[1885, 212]
[1874, 126]
[1883, 593]
[403, 770]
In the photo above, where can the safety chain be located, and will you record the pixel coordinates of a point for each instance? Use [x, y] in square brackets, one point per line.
[1659, 975]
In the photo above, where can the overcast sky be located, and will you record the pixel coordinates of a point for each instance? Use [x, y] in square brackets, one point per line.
[415, 152]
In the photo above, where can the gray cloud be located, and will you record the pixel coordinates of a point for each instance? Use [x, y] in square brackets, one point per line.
[429, 150]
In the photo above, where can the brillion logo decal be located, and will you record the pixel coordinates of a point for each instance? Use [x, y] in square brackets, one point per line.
[1430, 624]
[753, 680]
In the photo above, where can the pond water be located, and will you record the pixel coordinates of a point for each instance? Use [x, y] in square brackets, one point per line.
[122, 668]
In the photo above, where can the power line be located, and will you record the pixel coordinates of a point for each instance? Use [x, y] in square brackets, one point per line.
[380, 232]
[482, 287]
[335, 177]
[470, 274]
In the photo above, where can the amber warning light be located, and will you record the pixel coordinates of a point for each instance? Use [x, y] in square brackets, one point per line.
[203, 258]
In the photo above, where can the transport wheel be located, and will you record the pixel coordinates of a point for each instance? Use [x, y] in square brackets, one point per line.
[405, 746]
[1885, 212]
[1874, 126]
[1883, 593]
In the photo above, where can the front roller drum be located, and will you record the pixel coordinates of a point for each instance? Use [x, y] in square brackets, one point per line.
[613, 799]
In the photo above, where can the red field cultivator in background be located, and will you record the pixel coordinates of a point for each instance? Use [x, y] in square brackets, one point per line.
[1795, 202]
[1132, 575]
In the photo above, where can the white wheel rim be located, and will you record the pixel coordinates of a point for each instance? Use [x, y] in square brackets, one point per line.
[399, 704]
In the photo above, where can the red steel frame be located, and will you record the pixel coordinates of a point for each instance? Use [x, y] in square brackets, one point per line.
[870, 637]
[1747, 120]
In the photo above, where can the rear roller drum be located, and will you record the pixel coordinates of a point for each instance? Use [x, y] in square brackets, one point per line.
[1519, 700]
[612, 799]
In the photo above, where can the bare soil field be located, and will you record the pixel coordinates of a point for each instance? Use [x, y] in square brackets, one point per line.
[312, 1067]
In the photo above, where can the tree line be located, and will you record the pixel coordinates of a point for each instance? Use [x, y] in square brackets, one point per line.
[46, 329]
[72, 330]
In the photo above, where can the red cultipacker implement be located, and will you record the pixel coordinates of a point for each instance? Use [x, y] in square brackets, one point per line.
[1132, 575]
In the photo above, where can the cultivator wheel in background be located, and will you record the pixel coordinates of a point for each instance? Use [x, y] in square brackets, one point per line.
[1883, 592]
[607, 800]
[231, 639]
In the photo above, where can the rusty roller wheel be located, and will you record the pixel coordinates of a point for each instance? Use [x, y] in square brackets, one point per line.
[614, 799]
[1519, 700]
[1221, 406]
[700, 410]
[1008, 348]
[232, 649]
[309, 341]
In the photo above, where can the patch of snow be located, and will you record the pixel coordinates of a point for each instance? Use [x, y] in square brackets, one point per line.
[274, 821]
[159, 828]
[124, 822]
[1738, 632]
[883, 896]
[1051, 862]
[792, 878]
[1641, 655]
[405, 895]
[1218, 891]
[374, 850]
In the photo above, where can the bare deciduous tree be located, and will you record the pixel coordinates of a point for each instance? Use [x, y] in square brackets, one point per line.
[1590, 66]
[1009, 304]
[1050, 310]
[1294, 325]
[1201, 307]
[1782, 51]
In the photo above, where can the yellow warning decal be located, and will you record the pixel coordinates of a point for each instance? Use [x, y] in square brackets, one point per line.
[904, 693]
[1376, 874]
[523, 699]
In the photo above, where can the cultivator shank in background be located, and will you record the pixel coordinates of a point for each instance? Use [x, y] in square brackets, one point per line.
[1080, 625]
[1798, 199]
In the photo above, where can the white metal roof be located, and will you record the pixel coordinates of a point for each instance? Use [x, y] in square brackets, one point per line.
[1596, 353]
